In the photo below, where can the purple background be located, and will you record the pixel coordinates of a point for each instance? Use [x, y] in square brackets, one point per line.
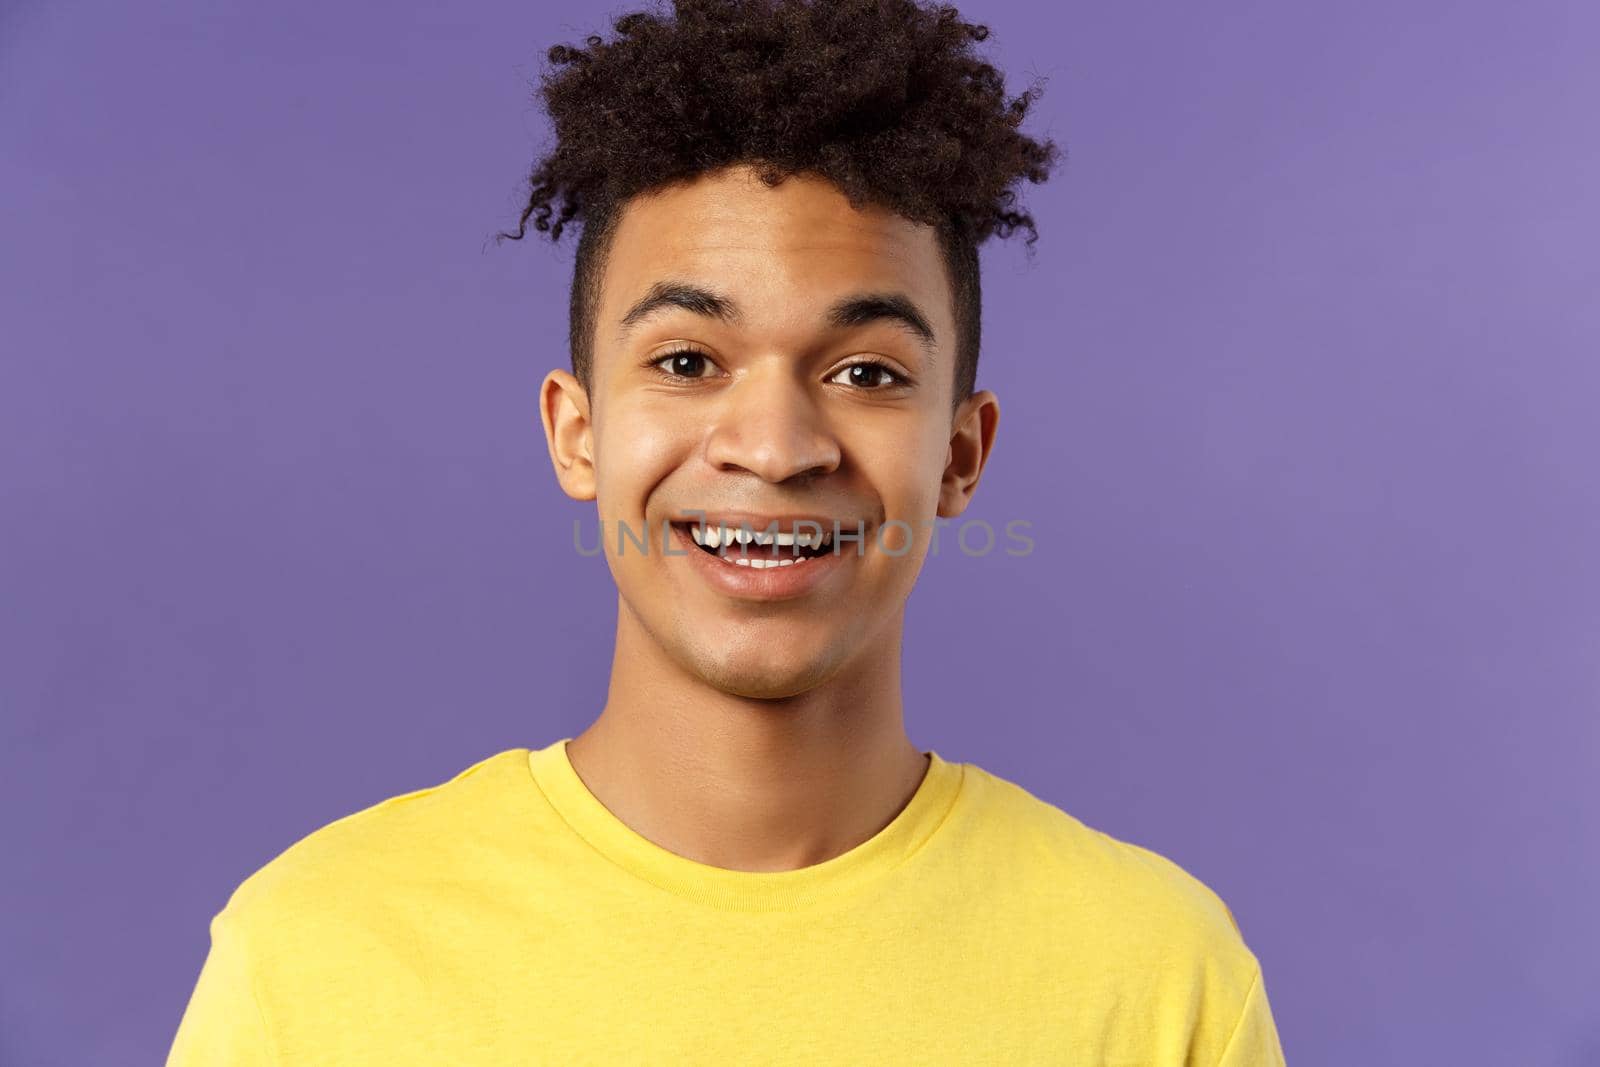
[1299, 393]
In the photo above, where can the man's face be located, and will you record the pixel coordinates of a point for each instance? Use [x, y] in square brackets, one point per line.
[760, 357]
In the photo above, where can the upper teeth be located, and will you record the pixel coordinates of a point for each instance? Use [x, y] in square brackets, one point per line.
[716, 536]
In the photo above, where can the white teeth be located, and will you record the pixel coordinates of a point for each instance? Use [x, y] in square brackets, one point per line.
[716, 536]
[730, 535]
[705, 535]
[760, 564]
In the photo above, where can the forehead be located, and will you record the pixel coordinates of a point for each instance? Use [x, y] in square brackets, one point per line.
[783, 252]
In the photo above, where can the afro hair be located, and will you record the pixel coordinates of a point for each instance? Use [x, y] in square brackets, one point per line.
[884, 98]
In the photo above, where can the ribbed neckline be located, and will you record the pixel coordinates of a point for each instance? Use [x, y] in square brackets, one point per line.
[721, 887]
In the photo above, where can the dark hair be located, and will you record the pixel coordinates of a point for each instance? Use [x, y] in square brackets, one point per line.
[884, 98]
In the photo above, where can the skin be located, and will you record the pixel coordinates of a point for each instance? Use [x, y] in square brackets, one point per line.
[746, 734]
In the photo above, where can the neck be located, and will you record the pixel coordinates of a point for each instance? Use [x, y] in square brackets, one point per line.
[744, 783]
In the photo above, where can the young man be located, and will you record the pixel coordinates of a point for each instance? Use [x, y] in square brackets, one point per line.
[744, 859]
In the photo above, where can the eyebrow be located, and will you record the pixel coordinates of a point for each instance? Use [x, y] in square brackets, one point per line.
[858, 309]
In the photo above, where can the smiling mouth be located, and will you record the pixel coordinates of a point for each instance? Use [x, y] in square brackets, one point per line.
[759, 549]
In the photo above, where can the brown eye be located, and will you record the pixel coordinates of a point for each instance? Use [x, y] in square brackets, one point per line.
[866, 376]
[688, 363]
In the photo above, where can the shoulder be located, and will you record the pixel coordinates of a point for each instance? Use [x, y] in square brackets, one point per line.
[1122, 928]
[395, 841]
[1128, 895]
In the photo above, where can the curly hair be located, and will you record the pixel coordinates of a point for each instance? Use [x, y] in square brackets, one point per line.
[884, 98]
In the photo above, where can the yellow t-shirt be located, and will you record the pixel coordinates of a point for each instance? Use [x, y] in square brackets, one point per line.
[507, 917]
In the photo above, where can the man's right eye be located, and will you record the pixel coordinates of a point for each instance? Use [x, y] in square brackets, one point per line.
[685, 363]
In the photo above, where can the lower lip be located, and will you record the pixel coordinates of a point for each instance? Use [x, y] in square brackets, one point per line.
[763, 583]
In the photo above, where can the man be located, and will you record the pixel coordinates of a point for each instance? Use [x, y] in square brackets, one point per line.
[744, 859]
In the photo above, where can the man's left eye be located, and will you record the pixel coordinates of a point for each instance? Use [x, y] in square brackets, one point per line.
[866, 376]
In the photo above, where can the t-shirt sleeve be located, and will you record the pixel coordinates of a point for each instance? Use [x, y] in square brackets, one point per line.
[223, 1023]
[1254, 1041]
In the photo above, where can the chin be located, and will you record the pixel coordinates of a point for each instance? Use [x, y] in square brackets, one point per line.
[750, 674]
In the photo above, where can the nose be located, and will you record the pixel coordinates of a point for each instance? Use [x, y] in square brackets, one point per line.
[770, 426]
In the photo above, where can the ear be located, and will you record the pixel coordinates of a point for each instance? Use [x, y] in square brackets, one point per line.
[972, 438]
[568, 431]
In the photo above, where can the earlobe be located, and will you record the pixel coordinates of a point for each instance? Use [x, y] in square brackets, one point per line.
[971, 441]
[568, 431]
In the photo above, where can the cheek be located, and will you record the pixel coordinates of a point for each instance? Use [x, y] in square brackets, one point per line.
[908, 473]
[909, 468]
[635, 448]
